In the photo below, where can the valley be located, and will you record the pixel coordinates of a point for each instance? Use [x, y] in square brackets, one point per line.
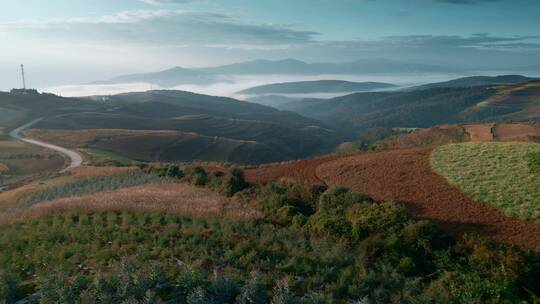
[209, 184]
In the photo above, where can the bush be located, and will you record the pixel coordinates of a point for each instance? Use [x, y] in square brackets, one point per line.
[383, 218]
[235, 182]
[199, 177]
[9, 288]
[339, 197]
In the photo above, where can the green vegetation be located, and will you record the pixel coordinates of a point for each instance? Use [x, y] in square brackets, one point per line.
[534, 162]
[496, 173]
[101, 157]
[313, 246]
[7, 115]
[90, 185]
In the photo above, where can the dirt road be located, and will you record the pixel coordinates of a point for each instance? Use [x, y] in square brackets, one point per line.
[74, 157]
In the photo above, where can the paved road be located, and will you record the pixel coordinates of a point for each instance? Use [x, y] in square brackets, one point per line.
[75, 158]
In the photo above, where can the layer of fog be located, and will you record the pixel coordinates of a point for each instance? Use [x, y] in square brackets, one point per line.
[239, 83]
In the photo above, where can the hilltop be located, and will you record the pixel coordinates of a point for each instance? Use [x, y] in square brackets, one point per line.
[318, 86]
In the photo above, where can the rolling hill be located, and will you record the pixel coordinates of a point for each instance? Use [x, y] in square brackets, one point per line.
[426, 107]
[221, 129]
[474, 81]
[318, 86]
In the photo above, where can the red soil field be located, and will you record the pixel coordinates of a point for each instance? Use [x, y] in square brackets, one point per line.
[516, 131]
[301, 171]
[480, 132]
[405, 176]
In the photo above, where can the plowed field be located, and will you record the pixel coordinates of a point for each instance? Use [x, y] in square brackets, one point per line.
[406, 176]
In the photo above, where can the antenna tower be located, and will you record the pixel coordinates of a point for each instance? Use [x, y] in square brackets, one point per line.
[23, 78]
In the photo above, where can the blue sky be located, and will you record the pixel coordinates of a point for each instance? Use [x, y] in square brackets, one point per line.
[83, 40]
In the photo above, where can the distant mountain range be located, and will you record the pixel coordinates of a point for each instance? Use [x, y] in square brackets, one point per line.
[298, 67]
[204, 76]
[168, 78]
[318, 86]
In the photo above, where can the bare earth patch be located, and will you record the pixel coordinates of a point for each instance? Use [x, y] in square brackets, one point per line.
[480, 132]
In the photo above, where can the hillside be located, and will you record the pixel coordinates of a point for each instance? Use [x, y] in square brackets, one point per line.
[319, 86]
[476, 81]
[221, 129]
[425, 108]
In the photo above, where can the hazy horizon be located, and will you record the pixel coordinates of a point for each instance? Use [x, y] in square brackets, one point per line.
[76, 42]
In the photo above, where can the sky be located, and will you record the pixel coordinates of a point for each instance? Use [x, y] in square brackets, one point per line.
[77, 41]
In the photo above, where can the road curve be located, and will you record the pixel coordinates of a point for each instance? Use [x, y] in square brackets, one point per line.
[74, 157]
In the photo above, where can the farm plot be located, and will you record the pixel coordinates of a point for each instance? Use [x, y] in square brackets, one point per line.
[495, 173]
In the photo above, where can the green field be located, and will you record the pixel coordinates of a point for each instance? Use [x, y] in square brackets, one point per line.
[103, 157]
[500, 174]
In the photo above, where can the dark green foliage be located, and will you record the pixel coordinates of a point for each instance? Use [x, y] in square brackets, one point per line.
[378, 218]
[286, 200]
[235, 182]
[254, 291]
[534, 162]
[400, 109]
[9, 288]
[313, 246]
[199, 177]
[340, 198]
[170, 172]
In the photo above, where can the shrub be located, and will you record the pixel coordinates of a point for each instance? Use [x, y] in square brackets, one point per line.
[376, 218]
[235, 182]
[339, 197]
[199, 177]
[254, 291]
[9, 288]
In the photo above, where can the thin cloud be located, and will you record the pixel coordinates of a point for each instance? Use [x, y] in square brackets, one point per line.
[163, 27]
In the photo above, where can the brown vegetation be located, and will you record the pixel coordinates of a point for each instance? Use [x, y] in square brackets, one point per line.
[91, 171]
[171, 198]
[425, 137]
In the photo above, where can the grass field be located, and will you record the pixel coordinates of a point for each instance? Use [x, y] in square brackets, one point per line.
[500, 174]
[90, 185]
[104, 157]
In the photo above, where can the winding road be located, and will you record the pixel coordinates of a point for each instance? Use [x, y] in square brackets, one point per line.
[74, 157]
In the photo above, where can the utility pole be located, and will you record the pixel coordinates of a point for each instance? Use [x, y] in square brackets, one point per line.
[23, 79]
